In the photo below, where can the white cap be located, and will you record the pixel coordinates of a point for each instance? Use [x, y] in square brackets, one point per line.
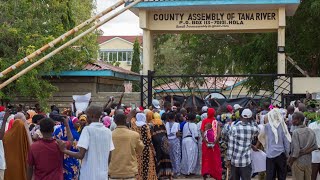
[138, 110]
[246, 113]
[236, 107]
[204, 109]
[156, 103]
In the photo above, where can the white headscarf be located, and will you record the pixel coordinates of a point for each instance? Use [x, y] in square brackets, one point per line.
[204, 116]
[275, 119]
[20, 116]
[141, 119]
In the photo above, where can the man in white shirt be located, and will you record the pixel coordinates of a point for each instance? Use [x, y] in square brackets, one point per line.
[95, 145]
[315, 126]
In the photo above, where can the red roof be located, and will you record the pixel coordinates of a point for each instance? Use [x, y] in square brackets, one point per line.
[101, 65]
[102, 39]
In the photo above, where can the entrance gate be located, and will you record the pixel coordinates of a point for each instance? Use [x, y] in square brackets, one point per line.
[234, 89]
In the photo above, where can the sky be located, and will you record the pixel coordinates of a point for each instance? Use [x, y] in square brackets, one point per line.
[126, 23]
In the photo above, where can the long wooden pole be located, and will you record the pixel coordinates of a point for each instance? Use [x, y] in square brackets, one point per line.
[37, 63]
[59, 39]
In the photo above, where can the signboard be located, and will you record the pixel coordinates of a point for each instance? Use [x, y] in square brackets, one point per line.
[214, 20]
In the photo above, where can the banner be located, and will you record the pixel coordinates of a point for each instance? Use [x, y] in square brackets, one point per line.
[214, 20]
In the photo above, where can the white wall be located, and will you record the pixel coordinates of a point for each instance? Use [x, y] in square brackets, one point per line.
[303, 84]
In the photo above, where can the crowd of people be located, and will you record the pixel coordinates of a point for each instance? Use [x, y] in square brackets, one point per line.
[163, 141]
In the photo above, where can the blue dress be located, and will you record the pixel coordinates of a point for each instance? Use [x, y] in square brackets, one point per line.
[71, 165]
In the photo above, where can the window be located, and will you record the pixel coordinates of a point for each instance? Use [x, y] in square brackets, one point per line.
[118, 56]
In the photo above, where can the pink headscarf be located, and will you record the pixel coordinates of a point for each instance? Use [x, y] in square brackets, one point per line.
[74, 119]
[106, 121]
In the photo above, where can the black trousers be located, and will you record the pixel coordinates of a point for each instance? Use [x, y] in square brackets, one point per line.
[277, 167]
[241, 172]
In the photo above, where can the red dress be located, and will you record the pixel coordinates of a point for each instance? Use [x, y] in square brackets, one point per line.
[211, 158]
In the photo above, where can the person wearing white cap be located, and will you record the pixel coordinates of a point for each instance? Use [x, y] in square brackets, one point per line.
[239, 154]
[156, 104]
[236, 107]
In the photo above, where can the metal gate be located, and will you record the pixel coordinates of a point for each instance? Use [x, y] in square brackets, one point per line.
[276, 88]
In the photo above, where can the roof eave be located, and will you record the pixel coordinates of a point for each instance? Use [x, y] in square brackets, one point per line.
[101, 73]
[290, 5]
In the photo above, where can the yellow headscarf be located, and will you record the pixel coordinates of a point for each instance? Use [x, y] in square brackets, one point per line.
[157, 119]
[83, 117]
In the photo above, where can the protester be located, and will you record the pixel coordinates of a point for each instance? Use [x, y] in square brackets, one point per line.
[146, 163]
[303, 141]
[16, 147]
[173, 132]
[239, 147]
[161, 145]
[95, 145]
[45, 158]
[71, 165]
[226, 121]
[123, 163]
[189, 147]
[278, 143]
[30, 114]
[211, 157]
[315, 126]
[3, 119]
[83, 121]
[35, 131]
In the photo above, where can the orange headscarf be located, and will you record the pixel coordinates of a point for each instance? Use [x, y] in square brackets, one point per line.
[149, 116]
[31, 114]
[16, 147]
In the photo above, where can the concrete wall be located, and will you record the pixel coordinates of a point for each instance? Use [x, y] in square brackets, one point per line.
[64, 99]
[303, 84]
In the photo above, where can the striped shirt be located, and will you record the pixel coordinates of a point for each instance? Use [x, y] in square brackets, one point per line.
[97, 140]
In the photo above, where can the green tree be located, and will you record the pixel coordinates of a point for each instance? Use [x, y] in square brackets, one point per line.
[136, 64]
[26, 26]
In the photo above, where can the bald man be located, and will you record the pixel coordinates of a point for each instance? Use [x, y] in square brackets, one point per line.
[95, 145]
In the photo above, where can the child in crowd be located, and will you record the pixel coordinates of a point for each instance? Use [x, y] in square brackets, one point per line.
[209, 135]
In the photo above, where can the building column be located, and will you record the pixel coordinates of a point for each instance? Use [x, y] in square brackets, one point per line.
[148, 54]
[281, 42]
[280, 84]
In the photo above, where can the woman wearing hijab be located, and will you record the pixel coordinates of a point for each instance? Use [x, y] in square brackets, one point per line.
[149, 115]
[211, 157]
[146, 163]
[225, 120]
[71, 165]
[30, 114]
[83, 122]
[190, 147]
[161, 145]
[16, 147]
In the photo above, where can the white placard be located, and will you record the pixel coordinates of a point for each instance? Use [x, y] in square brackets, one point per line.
[82, 101]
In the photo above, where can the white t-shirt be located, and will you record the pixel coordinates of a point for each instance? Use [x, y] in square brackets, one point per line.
[172, 131]
[97, 140]
[2, 159]
[315, 126]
